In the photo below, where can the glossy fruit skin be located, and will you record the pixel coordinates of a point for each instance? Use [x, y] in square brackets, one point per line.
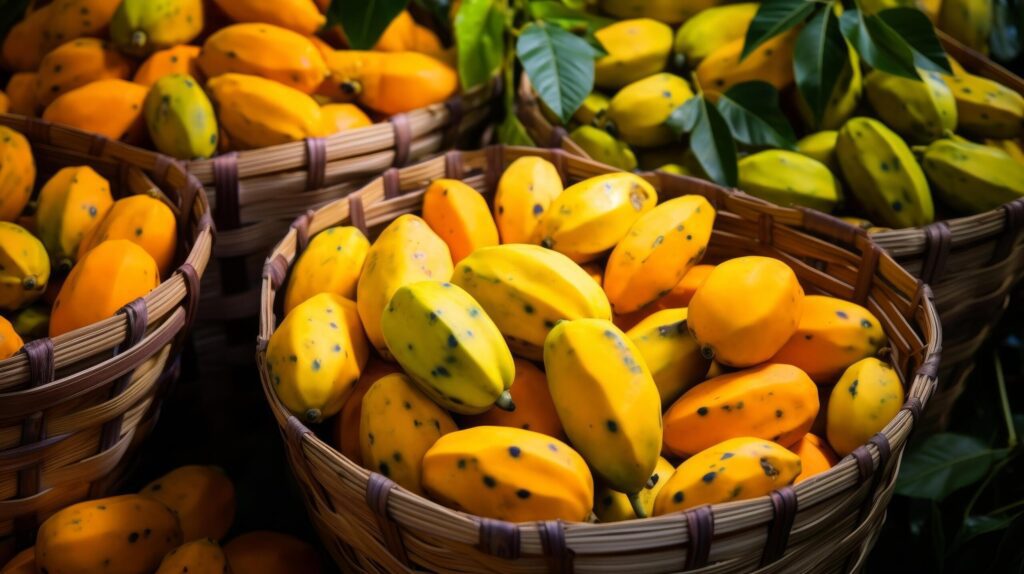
[636, 49]
[525, 192]
[844, 99]
[202, 497]
[126, 534]
[920, 111]
[459, 215]
[618, 428]
[670, 352]
[23, 46]
[509, 474]
[613, 506]
[347, 423]
[76, 64]
[535, 411]
[398, 424]
[973, 178]
[32, 322]
[639, 110]
[141, 27]
[832, 335]
[683, 292]
[771, 62]
[390, 82]
[789, 178]
[143, 220]
[736, 469]
[816, 456]
[338, 118]
[66, 21]
[656, 253]
[667, 11]
[255, 112]
[407, 251]
[883, 174]
[711, 29]
[265, 552]
[10, 341]
[300, 16]
[21, 93]
[24, 267]
[986, 108]
[73, 201]
[181, 59]
[199, 557]
[180, 118]
[24, 562]
[771, 300]
[526, 290]
[969, 21]
[17, 173]
[821, 146]
[331, 263]
[267, 51]
[591, 217]
[443, 339]
[112, 108]
[865, 399]
[316, 355]
[603, 147]
[591, 111]
[771, 401]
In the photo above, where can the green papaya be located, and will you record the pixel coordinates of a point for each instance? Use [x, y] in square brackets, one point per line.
[822, 147]
[786, 177]
[603, 147]
[973, 178]
[883, 174]
[920, 111]
[845, 97]
[141, 27]
[180, 118]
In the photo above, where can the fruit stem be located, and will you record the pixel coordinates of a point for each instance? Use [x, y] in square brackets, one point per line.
[313, 415]
[139, 39]
[638, 507]
[505, 403]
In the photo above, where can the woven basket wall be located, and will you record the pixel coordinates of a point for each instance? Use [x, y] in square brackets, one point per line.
[824, 524]
[971, 263]
[74, 408]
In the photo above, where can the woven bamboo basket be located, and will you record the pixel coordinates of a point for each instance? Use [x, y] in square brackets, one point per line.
[255, 194]
[826, 523]
[971, 263]
[73, 408]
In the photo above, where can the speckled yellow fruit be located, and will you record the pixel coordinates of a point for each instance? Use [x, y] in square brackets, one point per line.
[613, 506]
[919, 110]
[267, 51]
[985, 108]
[636, 49]
[202, 497]
[140, 219]
[10, 341]
[77, 63]
[771, 62]
[670, 352]
[24, 267]
[822, 147]
[108, 107]
[459, 215]
[141, 27]
[525, 192]
[346, 425]
[603, 147]
[177, 60]
[265, 552]
[865, 399]
[331, 263]
[180, 118]
[789, 178]
[255, 112]
[197, 557]
[816, 456]
[973, 178]
[17, 173]
[301, 16]
[711, 29]
[639, 110]
[70, 204]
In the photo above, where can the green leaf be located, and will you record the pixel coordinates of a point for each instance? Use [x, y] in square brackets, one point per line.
[513, 132]
[751, 110]
[917, 31]
[820, 58]
[480, 37]
[976, 526]
[683, 119]
[944, 463]
[710, 139]
[775, 17]
[364, 20]
[878, 44]
[576, 21]
[560, 66]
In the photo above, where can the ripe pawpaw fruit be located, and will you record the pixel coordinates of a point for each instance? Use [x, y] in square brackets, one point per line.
[141, 27]
[181, 59]
[76, 64]
[332, 263]
[264, 50]
[10, 340]
[17, 173]
[202, 556]
[202, 497]
[71, 203]
[459, 215]
[140, 219]
[108, 107]
[525, 192]
[266, 552]
[24, 267]
[180, 118]
[534, 408]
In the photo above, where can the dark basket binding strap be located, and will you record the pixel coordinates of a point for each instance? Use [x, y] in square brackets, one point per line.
[938, 242]
[392, 183]
[98, 145]
[453, 166]
[378, 491]
[865, 274]
[38, 130]
[558, 135]
[403, 138]
[301, 227]
[225, 177]
[456, 110]
[700, 524]
[316, 163]
[495, 167]
[914, 407]
[552, 540]
[499, 538]
[357, 213]
[33, 429]
[558, 160]
[765, 223]
[784, 507]
[276, 269]
[1014, 222]
[137, 316]
[830, 226]
[192, 286]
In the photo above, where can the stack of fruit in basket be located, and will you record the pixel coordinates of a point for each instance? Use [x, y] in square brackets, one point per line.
[80, 256]
[857, 160]
[136, 70]
[173, 525]
[494, 363]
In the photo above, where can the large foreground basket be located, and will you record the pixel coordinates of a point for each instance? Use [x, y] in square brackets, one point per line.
[255, 194]
[73, 408]
[824, 524]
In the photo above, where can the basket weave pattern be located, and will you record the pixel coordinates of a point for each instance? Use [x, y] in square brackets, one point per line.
[826, 523]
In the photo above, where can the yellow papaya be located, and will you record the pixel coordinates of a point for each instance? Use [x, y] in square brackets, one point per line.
[315, 356]
[883, 174]
[920, 111]
[407, 251]
[985, 108]
[746, 310]
[17, 173]
[866, 398]
[771, 401]
[126, 534]
[592, 216]
[969, 21]
[667, 11]
[202, 497]
[70, 19]
[635, 49]
[76, 64]
[534, 408]
[267, 51]
[403, 34]
[789, 178]
[603, 147]
[180, 118]
[197, 557]
[300, 16]
[443, 339]
[525, 192]
[24, 562]
[343, 117]
[617, 428]
[815, 456]
[398, 424]
[265, 552]
[613, 506]
[844, 99]
[73, 201]
[973, 178]
[346, 424]
[683, 292]
[771, 62]
[108, 107]
[24, 267]
[23, 47]
[331, 263]
[638, 111]
[255, 112]
[656, 253]
[509, 474]
[821, 146]
[736, 469]
[141, 27]
[10, 340]
[592, 110]
[711, 29]
[527, 289]
[596, 272]
[32, 322]
[140, 219]
[832, 335]
[459, 215]
[1010, 146]
[181, 59]
[390, 82]
[21, 91]
[671, 353]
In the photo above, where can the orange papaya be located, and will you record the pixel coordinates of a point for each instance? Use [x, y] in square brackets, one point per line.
[177, 60]
[346, 424]
[816, 456]
[77, 63]
[108, 107]
[202, 497]
[265, 552]
[459, 215]
[71, 203]
[17, 173]
[389, 82]
[202, 556]
[683, 292]
[140, 219]
[21, 91]
[302, 16]
[534, 408]
[10, 340]
[23, 48]
[24, 562]
[267, 51]
[343, 117]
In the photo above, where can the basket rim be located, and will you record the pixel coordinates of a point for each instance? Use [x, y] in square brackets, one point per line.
[461, 526]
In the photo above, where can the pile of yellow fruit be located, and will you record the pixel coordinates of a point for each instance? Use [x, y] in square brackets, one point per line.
[499, 365]
[136, 70]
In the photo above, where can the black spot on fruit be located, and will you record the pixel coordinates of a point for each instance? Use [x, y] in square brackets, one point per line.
[702, 411]
[727, 455]
[678, 497]
[768, 468]
[461, 463]
[385, 469]
[865, 323]
[778, 413]
[133, 537]
[514, 451]
[523, 493]
[489, 481]
[842, 315]
[853, 387]
[612, 426]
[709, 477]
